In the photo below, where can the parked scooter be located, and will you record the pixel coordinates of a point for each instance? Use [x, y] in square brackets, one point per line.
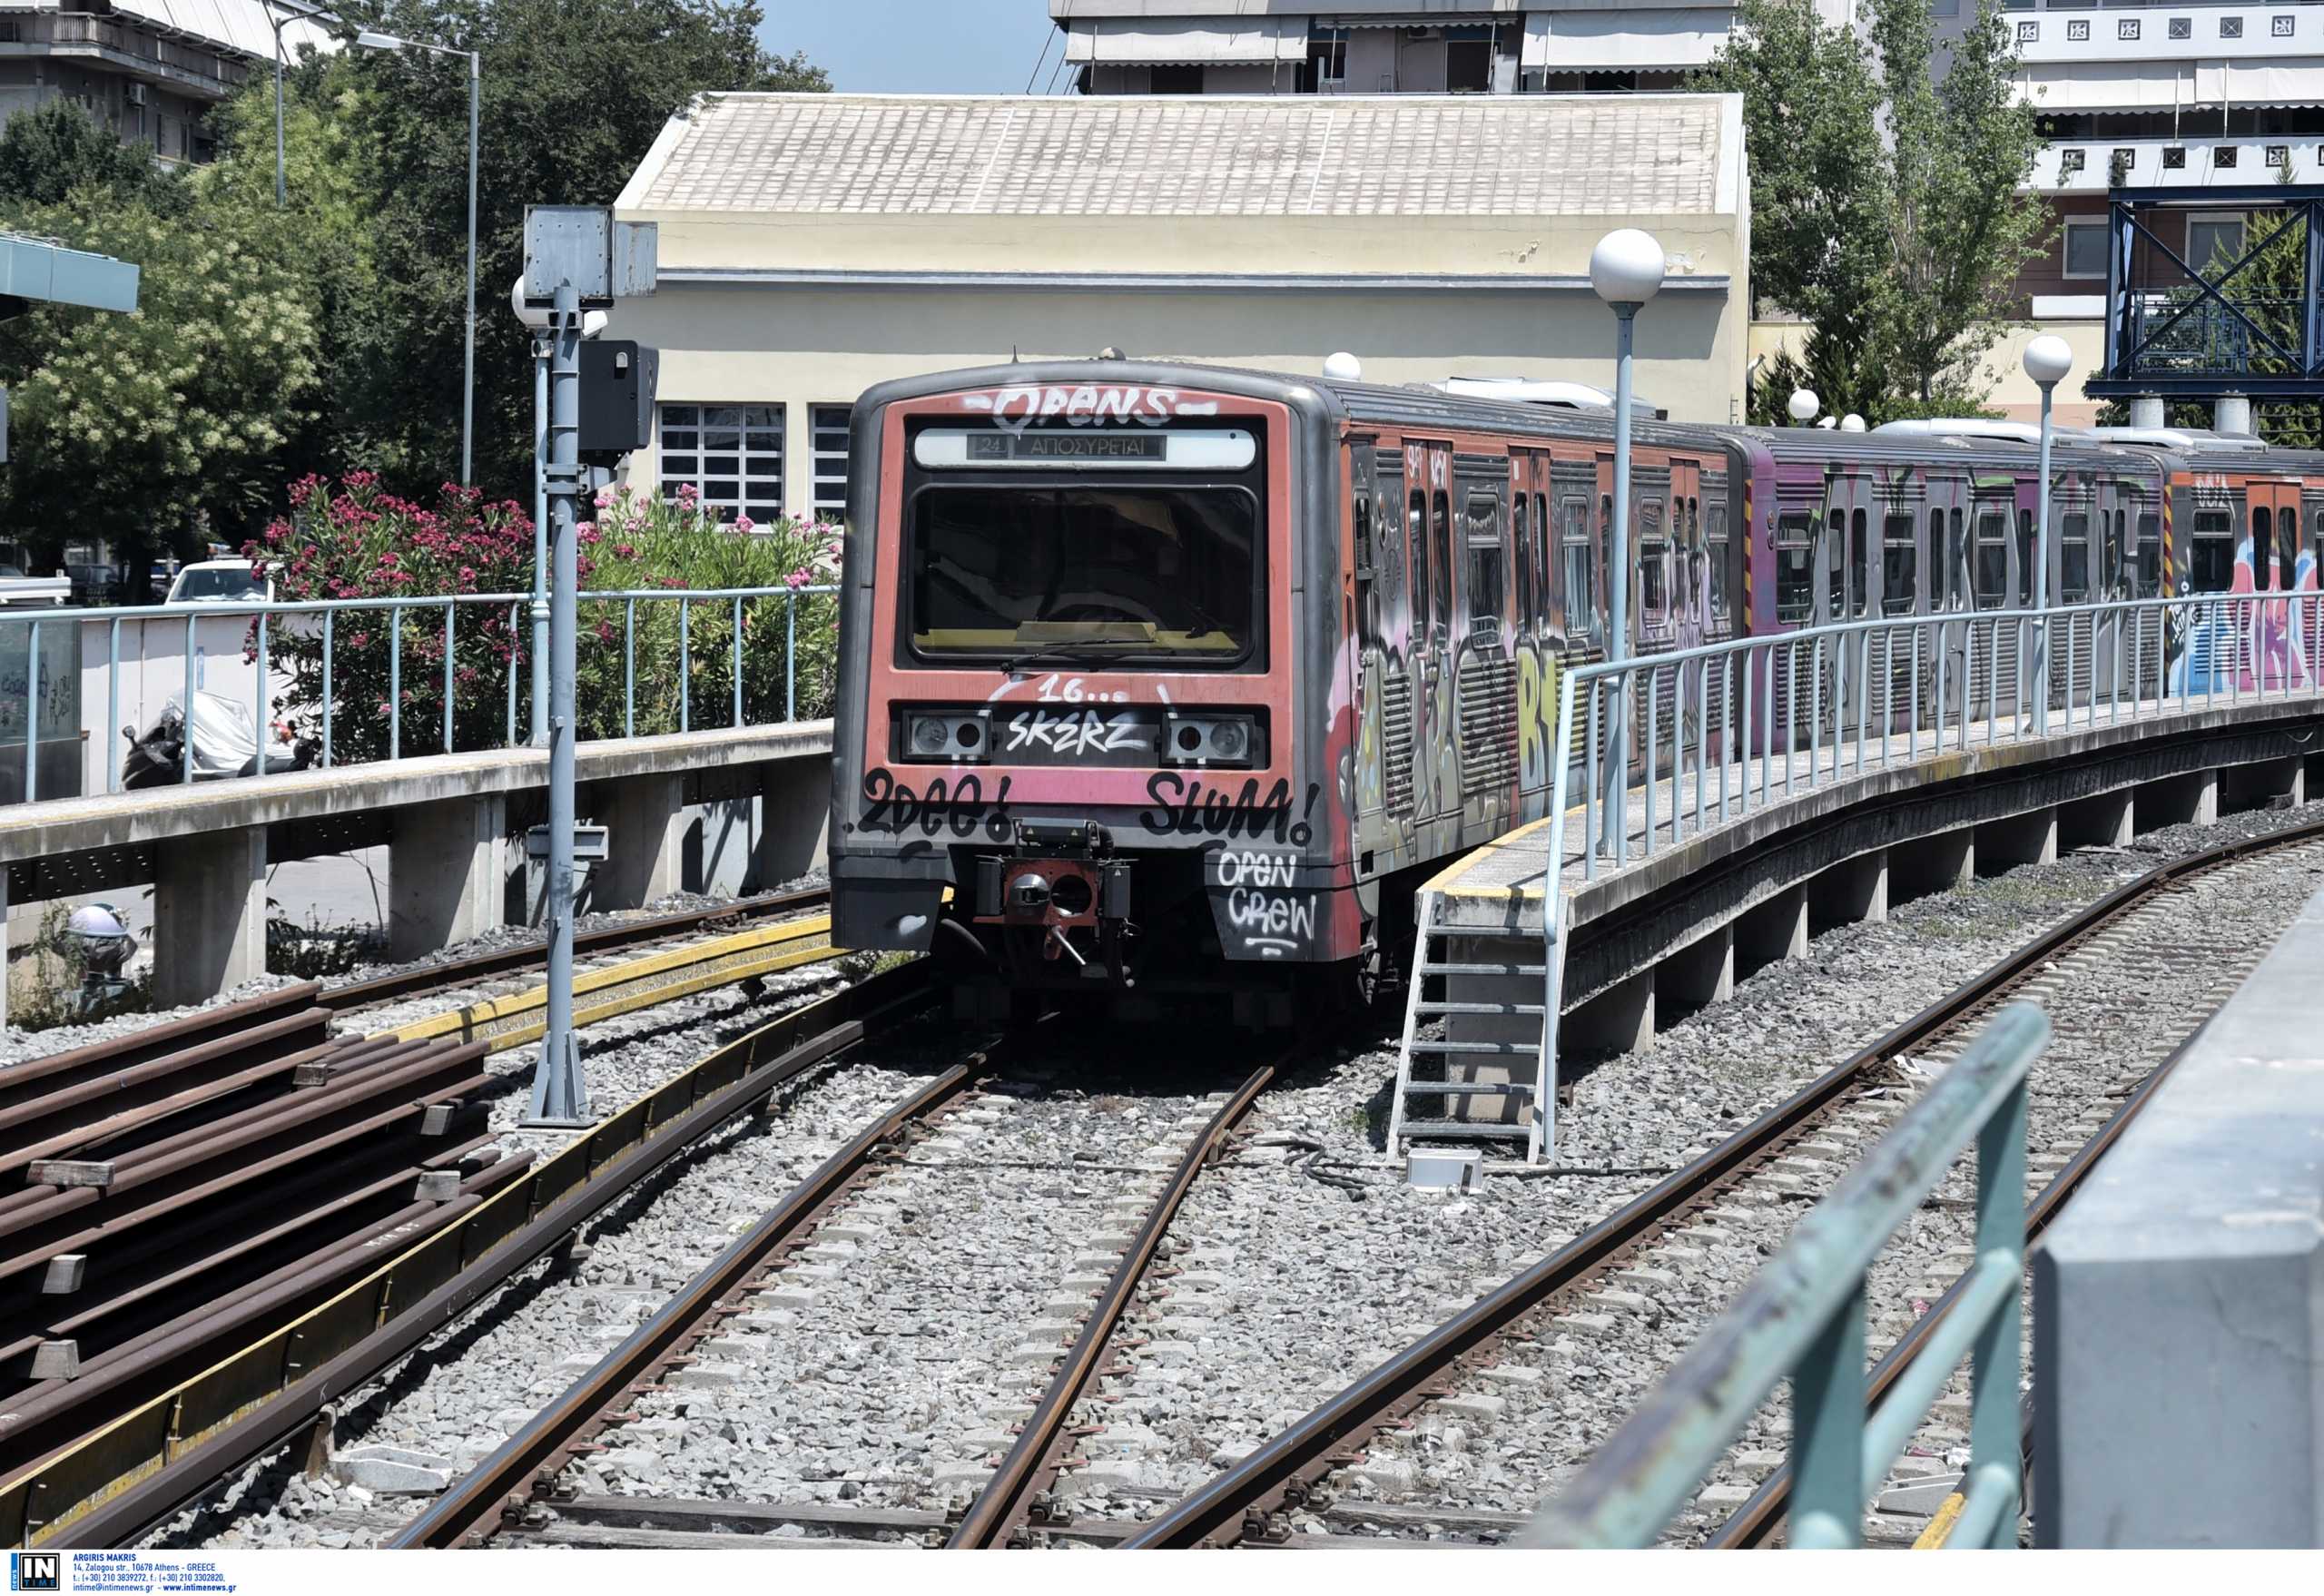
[225, 744]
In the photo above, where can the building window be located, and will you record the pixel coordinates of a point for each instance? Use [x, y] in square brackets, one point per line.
[2126, 27]
[1325, 71]
[2280, 26]
[829, 423]
[1174, 80]
[2174, 157]
[2182, 27]
[2214, 242]
[2077, 30]
[2278, 155]
[2029, 33]
[2223, 156]
[1468, 60]
[731, 454]
[2069, 162]
[2085, 249]
[2230, 27]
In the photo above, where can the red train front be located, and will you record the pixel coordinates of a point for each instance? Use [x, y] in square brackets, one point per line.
[1094, 687]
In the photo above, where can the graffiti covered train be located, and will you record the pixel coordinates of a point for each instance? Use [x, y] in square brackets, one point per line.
[1159, 679]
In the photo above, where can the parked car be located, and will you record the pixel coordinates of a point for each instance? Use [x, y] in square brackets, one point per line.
[95, 584]
[220, 582]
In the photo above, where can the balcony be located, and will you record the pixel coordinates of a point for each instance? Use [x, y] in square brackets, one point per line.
[2168, 33]
[188, 68]
[2094, 165]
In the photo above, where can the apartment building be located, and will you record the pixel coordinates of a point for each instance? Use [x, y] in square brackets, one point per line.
[148, 69]
[2212, 93]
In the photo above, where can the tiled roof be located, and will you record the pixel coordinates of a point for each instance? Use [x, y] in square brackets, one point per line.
[1386, 155]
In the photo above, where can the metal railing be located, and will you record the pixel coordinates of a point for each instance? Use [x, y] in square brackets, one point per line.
[323, 636]
[1755, 720]
[1803, 1316]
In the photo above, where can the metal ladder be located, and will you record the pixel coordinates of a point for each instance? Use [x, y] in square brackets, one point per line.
[1422, 1090]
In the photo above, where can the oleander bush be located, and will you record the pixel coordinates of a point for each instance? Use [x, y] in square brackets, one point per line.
[642, 667]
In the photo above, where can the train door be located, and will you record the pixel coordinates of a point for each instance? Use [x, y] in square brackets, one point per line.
[2275, 569]
[2075, 508]
[1484, 661]
[2112, 532]
[1532, 538]
[1428, 514]
[1579, 616]
[1993, 677]
[1799, 554]
[1946, 590]
[1383, 696]
[1845, 594]
[1898, 575]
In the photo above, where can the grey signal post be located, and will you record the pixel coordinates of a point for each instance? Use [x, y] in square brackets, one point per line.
[575, 256]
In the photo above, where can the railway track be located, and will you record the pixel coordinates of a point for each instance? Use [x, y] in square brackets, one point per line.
[1745, 1189]
[771, 1279]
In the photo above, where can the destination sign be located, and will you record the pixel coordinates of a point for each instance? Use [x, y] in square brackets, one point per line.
[1067, 446]
[1147, 449]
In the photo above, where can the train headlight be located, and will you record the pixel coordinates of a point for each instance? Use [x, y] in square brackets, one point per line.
[934, 735]
[1212, 739]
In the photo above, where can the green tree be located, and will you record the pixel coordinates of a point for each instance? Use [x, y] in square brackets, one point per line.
[1886, 209]
[137, 426]
[49, 153]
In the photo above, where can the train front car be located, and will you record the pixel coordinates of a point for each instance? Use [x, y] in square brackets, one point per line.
[1093, 683]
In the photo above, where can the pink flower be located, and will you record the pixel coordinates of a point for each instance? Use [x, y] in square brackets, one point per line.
[605, 499]
[628, 551]
[797, 578]
[744, 523]
[688, 492]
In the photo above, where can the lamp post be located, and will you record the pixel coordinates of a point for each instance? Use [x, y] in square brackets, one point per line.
[1803, 406]
[372, 41]
[535, 320]
[1626, 270]
[2047, 360]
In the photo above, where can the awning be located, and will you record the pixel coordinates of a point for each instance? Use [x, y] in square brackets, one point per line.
[239, 26]
[1624, 41]
[1164, 42]
[2164, 85]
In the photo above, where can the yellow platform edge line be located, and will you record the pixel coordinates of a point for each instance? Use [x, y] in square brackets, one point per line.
[1940, 1528]
[532, 1029]
[460, 1020]
[1447, 880]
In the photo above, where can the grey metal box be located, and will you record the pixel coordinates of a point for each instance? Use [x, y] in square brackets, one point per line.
[617, 377]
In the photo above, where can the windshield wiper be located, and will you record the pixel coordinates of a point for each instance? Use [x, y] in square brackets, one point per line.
[1067, 653]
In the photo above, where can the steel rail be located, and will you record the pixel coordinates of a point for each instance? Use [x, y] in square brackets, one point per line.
[1283, 1470]
[527, 1463]
[406, 983]
[121, 1480]
[1008, 1500]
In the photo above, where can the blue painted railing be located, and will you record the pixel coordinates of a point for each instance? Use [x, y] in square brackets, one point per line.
[1803, 1317]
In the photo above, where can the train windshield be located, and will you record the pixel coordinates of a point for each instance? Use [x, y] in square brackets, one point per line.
[1123, 572]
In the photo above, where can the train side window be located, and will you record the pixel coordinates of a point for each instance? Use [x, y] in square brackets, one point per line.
[1654, 562]
[2024, 557]
[1897, 558]
[2211, 555]
[1581, 571]
[2287, 550]
[2110, 572]
[1697, 599]
[1859, 564]
[1367, 572]
[1521, 550]
[1483, 514]
[1441, 561]
[1416, 531]
[1715, 552]
[2074, 557]
[2149, 571]
[1937, 569]
[2262, 529]
[1992, 578]
[1795, 569]
[1836, 564]
[1544, 560]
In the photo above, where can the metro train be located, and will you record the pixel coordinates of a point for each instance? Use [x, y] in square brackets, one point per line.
[1158, 679]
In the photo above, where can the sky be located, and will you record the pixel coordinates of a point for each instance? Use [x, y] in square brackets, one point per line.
[919, 46]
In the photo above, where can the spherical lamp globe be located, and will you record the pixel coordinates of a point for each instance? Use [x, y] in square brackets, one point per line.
[1851, 422]
[1627, 267]
[533, 316]
[2048, 359]
[1343, 367]
[1803, 404]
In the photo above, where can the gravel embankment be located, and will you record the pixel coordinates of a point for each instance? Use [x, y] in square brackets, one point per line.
[1326, 1286]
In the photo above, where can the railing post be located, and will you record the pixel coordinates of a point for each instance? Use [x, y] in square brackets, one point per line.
[1593, 817]
[32, 721]
[735, 647]
[1995, 1465]
[511, 736]
[1743, 746]
[1827, 1434]
[686, 668]
[329, 616]
[186, 709]
[265, 697]
[1544, 1140]
[395, 681]
[1653, 707]
[449, 678]
[629, 668]
[791, 656]
[1816, 706]
[113, 708]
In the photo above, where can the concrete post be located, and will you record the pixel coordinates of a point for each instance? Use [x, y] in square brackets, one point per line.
[2146, 410]
[643, 817]
[1696, 976]
[1772, 931]
[1854, 891]
[2231, 412]
[2022, 839]
[1943, 863]
[2255, 787]
[209, 914]
[794, 820]
[1619, 1019]
[2103, 821]
[2191, 800]
[444, 879]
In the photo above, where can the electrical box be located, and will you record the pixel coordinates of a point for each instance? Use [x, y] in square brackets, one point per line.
[590, 843]
[616, 397]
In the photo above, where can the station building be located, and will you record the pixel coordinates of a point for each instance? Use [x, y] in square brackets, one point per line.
[811, 245]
